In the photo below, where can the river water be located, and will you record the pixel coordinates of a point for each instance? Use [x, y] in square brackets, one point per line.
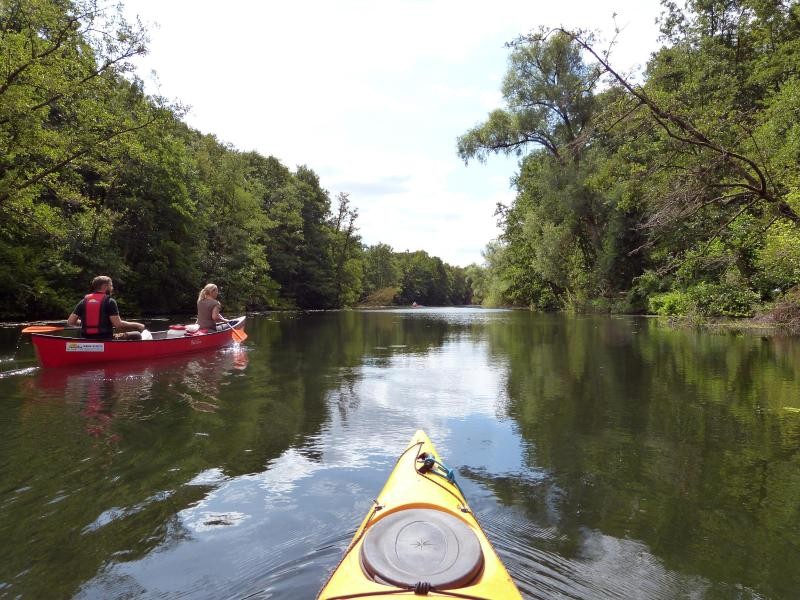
[604, 457]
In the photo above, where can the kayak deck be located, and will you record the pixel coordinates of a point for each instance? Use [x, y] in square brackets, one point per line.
[420, 538]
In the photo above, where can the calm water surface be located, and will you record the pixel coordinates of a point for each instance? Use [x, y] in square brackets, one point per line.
[604, 457]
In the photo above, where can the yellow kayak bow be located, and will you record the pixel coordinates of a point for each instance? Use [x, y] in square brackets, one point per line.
[420, 539]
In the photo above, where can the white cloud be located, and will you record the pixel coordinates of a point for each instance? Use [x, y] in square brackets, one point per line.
[369, 94]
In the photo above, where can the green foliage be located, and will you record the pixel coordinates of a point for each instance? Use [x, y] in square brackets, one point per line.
[510, 281]
[424, 280]
[350, 280]
[672, 303]
[61, 142]
[381, 297]
[724, 299]
[476, 282]
[381, 268]
[96, 177]
[459, 289]
[346, 253]
[779, 259]
[693, 174]
[547, 90]
[407, 277]
[706, 300]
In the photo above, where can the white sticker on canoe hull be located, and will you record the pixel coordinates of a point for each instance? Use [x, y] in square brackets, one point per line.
[85, 347]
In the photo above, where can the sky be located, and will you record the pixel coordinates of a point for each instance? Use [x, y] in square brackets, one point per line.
[371, 95]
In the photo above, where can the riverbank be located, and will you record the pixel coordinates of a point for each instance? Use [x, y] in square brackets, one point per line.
[781, 317]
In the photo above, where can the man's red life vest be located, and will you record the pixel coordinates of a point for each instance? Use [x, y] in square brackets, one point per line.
[93, 303]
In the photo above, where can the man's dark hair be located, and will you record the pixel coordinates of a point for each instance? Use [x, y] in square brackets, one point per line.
[99, 282]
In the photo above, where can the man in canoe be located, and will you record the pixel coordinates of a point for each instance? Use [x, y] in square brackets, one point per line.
[98, 314]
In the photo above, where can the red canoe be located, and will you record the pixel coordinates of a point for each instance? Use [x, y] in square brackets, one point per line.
[59, 351]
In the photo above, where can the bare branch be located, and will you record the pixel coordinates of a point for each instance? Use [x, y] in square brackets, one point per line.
[695, 136]
[682, 130]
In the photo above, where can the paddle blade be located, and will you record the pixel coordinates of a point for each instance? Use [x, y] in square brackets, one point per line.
[42, 329]
[239, 335]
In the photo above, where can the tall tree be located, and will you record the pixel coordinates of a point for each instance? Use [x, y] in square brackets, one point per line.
[548, 91]
[559, 223]
[346, 251]
[68, 111]
[381, 268]
[685, 183]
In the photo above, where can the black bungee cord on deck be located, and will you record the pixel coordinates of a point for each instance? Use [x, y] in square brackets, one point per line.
[422, 588]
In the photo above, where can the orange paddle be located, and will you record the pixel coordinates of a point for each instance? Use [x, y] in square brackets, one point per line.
[42, 328]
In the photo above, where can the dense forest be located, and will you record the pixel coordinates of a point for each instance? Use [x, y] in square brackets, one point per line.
[98, 177]
[675, 193]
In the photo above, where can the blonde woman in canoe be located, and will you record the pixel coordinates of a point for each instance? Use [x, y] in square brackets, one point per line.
[208, 308]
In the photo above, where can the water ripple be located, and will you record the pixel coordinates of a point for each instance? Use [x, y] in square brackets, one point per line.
[116, 513]
[18, 372]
